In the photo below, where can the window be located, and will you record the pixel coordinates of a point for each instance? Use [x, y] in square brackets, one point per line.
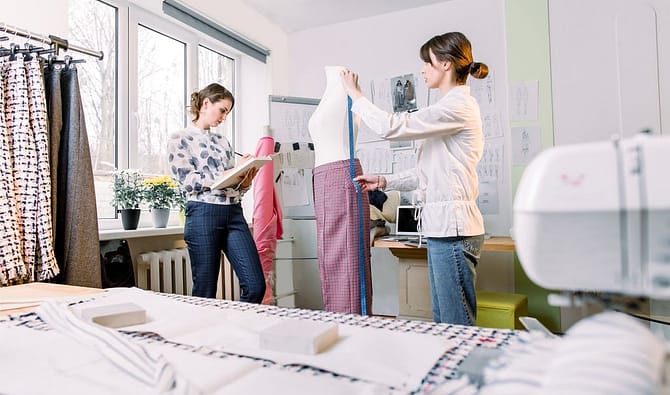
[139, 93]
[161, 107]
[216, 67]
[98, 85]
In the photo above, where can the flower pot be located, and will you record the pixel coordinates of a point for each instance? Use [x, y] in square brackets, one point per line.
[130, 217]
[160, 217]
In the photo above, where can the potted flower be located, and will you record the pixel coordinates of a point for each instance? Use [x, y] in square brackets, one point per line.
[128, 195]
[161, 193]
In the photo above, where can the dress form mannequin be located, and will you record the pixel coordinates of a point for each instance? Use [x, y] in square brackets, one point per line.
[328, 126]
[338, 219]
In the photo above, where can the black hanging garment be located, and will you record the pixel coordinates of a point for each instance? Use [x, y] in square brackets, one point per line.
[76, 238]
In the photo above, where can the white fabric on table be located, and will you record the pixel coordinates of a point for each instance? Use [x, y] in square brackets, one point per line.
[396, 359]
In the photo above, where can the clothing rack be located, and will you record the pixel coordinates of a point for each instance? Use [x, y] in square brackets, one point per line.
[57, 42]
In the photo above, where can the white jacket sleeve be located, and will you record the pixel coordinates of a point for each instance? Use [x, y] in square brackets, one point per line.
[440, 119]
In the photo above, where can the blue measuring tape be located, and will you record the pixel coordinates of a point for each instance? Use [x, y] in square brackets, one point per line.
[359, 198]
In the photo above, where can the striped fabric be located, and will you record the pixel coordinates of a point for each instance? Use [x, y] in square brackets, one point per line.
[337, 231]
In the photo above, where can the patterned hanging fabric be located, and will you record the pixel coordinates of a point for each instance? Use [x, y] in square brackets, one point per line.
[25, 195]
[22, 147]
[12, 269]
[46, 259]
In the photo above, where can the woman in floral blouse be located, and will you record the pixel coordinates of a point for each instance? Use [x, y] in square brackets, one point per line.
[215, 222]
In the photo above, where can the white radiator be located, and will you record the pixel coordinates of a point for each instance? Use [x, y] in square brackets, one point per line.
[169, 271]
[166, 271]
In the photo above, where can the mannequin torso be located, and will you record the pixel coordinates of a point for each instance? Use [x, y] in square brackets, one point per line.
[328, 126]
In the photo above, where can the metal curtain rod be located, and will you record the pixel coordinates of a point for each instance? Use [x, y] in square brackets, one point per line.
[59, 43]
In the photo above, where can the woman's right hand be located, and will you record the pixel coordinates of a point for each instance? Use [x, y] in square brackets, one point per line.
[370, 182]
[350, 83]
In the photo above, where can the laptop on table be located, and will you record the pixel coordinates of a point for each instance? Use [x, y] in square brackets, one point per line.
[407, 223]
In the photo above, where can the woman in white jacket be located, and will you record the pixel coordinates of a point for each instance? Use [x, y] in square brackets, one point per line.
[450, 140]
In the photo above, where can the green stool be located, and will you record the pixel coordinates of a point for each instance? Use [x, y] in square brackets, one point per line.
[501, 310]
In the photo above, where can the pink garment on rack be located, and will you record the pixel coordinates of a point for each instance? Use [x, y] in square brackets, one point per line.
[267, 217]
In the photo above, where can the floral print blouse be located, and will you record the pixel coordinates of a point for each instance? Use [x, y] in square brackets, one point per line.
[199, 157]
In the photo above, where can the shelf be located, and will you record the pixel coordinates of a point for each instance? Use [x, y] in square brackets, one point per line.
[117, 234]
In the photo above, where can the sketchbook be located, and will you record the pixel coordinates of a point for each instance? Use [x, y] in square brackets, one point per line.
[232, 176]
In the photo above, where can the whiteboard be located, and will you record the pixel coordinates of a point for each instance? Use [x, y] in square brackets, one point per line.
[289, 117]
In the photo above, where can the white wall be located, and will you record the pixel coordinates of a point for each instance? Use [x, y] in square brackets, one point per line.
[609, 61]
[38, 16]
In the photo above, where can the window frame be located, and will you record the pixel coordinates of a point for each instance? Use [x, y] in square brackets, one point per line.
[129, 17]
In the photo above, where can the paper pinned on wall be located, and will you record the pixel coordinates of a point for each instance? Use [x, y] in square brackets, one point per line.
[491, 164]
[488, 196]
[376, 158]
[483, 90]
[380, 92]
[300, 159]
[294, 187]
[366, 135]
[289, 122]
[491, 124]
[525, 144]
[523, 101]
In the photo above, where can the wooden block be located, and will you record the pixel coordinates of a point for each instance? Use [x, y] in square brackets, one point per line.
[299, 336]
[115, 315]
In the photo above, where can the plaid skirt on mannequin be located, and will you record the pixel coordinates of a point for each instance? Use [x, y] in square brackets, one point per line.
[338, 244]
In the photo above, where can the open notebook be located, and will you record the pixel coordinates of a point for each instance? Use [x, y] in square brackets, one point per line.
[231, 178]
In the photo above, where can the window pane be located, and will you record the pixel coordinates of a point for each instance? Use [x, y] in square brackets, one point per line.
[93, 25]
[160, 98]
[214, 67]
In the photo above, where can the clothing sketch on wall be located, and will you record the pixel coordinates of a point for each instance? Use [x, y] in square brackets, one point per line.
[404, 94]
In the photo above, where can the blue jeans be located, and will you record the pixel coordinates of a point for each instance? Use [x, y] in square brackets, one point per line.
[212, 228]
[451, 269]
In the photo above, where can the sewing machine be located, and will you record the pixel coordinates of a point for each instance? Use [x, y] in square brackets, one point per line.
[596, 217]
[594, 220]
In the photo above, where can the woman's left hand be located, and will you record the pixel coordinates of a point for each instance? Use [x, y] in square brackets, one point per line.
[248, 178]
[369, 182]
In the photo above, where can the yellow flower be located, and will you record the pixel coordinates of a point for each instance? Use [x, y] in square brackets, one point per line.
[161, 192]
[160, 180]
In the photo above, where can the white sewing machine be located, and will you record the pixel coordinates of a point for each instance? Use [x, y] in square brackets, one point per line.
[596, 217]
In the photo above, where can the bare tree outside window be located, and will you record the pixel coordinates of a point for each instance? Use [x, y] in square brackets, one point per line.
[93, 25]
[161, 104]
[215, 67]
